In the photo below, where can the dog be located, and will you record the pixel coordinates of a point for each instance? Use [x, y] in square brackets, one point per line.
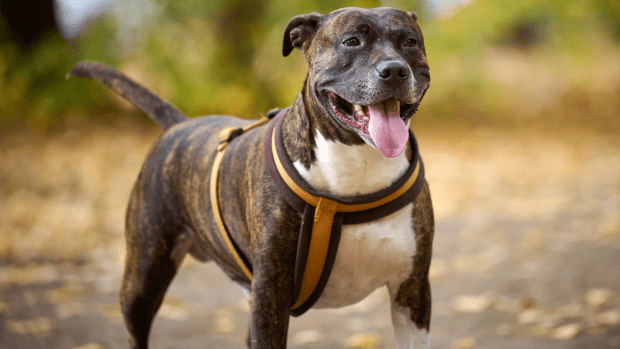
[345, 138]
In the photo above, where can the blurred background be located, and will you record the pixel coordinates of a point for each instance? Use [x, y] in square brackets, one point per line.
[520, 134]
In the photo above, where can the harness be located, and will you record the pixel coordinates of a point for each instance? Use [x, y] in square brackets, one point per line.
[323, 214]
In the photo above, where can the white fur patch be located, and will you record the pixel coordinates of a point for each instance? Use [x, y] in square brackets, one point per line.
[346, 170]
[370, 255]
[408, 335]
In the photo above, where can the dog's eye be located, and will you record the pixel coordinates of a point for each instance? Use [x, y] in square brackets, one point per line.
[351, 42]
[411, 42]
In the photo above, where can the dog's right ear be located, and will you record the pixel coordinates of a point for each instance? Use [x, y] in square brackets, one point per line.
[299, 31]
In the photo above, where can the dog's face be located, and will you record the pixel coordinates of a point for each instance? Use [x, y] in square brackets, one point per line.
[368, 70]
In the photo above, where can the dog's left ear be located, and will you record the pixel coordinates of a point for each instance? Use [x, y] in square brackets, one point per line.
[299, 31]
[413, 15]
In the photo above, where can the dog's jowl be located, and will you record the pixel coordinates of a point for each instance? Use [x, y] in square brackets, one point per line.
[315, 206]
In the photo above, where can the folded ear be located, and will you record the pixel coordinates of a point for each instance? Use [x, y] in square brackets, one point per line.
[413, 15]
[299, 31]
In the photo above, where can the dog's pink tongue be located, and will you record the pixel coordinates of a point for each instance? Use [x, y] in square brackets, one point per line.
[387, 130]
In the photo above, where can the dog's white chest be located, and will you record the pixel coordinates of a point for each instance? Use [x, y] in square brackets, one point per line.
[370, 255]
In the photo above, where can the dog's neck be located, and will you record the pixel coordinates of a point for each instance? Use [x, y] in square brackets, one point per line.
[334, 160]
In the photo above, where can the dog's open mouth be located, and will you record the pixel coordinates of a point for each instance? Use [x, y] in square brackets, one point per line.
[381, 123]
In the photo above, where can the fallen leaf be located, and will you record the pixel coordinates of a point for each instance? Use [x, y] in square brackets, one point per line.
[472, 303]
[307, 337]
[438, 269]
[363, 340]
[66, 293]
[567, 331]
[463, 343]
[70, 309]
[598, 296]
[608, 318]
[90, 346]
[530, 316]
[112, 310]
[40, 326]
[28, 275]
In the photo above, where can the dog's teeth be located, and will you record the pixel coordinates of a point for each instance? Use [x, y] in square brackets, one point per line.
[360, 110]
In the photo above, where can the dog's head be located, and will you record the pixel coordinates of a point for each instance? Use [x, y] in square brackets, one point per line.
[368, 70]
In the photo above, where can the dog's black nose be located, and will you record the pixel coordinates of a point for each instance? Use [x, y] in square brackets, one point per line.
[392, 71]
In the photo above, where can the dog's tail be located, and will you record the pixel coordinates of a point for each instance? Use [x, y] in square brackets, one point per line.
[162, 112]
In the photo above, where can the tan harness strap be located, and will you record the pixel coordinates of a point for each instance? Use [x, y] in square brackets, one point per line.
[314, 200]
[225, 137]
[225, 134]
[319, 245]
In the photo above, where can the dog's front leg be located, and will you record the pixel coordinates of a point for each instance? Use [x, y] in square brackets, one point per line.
[270, 311]
[271, 297]
[410, 306]
[411, 298]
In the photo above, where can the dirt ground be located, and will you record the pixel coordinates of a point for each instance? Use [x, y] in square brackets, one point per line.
[526, 253]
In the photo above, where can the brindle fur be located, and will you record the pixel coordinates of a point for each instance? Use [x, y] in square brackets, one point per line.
[169, 213]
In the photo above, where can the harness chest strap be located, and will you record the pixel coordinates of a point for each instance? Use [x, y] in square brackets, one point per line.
[322, 214]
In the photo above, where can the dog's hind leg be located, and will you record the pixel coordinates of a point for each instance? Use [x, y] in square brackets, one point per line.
[156, 246]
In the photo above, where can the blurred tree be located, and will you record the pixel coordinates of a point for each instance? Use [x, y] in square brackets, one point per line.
[26, 25]
[609, 11]
[34, 60]
[28, 20]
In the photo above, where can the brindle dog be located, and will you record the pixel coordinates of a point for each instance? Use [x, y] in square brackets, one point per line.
[345, 133]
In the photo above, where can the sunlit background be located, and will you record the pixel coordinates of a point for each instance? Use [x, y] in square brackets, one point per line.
[519, 132]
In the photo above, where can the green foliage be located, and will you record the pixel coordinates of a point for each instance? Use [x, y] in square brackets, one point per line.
[490, 59]
[33, 82]
[225, 57]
